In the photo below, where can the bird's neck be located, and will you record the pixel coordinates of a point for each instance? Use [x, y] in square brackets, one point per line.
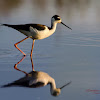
[52, 85]
[53, 26]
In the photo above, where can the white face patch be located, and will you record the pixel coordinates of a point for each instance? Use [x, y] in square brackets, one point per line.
[58, 17]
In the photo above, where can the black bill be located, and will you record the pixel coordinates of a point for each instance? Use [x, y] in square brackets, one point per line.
[66, 25]
[65, 85]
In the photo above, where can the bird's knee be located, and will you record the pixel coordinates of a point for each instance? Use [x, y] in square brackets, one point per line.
[15, 45]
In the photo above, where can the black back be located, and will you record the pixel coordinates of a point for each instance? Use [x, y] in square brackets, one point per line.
[26, 27]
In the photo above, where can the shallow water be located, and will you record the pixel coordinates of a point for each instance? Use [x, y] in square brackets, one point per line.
[66, 55]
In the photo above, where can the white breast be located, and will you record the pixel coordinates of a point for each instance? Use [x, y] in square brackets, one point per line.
[40, 34]
[41, 77]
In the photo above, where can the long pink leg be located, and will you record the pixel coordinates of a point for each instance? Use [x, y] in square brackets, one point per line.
[31, 55]
[20, 42]
[32, 48]
[32, 64]
[15, 66]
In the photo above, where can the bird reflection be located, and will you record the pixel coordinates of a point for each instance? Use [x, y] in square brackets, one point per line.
[36, 79]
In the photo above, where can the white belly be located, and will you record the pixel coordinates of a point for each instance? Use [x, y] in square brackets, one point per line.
[37, 34]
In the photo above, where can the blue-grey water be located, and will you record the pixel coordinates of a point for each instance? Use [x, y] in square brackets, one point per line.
[67, 55]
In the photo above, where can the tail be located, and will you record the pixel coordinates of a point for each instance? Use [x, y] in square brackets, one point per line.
[3, 24]
[17, 27]
[7, 85]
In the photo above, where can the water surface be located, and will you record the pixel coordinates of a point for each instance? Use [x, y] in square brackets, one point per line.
[66, 55]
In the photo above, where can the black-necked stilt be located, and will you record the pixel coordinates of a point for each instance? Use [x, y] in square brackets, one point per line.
[36, 31]
[36, 79]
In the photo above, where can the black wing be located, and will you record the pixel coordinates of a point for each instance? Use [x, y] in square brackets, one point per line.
[38, 84]
[24, 84]
[26, 27]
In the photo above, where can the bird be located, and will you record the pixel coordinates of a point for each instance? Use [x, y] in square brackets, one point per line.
[36, 79]
[36, 31]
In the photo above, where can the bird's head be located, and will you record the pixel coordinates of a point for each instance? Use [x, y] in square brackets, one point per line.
[57, 91]
[57, 19]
